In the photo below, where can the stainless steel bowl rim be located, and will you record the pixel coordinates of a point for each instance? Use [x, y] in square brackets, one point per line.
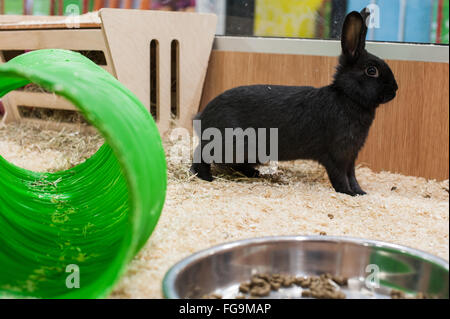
[169, 290]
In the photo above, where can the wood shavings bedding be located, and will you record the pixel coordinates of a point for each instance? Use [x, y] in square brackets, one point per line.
[298, 200]
[28, 146]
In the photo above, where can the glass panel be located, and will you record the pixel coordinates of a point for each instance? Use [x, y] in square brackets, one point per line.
[420, 21]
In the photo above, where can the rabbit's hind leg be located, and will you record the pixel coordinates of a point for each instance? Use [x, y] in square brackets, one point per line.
[354, 185]
[202, 170]
[248, 170]
[199, 167]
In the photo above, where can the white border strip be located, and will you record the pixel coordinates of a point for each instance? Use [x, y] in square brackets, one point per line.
[385, 50]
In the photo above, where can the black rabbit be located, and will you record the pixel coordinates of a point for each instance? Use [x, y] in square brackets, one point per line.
[328, 124]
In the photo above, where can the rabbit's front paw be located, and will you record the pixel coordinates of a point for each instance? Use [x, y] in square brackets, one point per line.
[355, 187]
[360, 192]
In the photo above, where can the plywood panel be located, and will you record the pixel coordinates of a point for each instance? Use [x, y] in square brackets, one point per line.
[42, 100]
[70, 39]
[129, 33]
[84, 39]
[410, 135]
[24, 22]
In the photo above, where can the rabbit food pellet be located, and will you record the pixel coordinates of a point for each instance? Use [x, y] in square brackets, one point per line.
[323, 286]
[212, 296]
[397, 294]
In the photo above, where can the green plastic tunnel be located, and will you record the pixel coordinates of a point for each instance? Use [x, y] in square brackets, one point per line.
[71, 234]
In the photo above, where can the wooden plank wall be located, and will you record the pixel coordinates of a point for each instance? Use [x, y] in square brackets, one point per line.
[410, 135]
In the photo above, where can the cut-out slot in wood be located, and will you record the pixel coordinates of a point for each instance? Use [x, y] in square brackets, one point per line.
[2, 110]
[174, 79]
[154, 79]
[11, 54]
[33, 88]
[96, 56]
[42, 113]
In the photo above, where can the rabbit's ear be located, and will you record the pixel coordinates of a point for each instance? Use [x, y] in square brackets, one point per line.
[365, 13]
[354, 31]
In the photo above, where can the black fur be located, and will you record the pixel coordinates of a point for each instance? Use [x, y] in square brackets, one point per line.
[328, 124]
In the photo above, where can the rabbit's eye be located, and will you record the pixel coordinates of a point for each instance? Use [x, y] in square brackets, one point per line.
[372, 72]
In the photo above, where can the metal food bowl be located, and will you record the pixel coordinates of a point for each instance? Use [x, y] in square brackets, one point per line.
[374, 269]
